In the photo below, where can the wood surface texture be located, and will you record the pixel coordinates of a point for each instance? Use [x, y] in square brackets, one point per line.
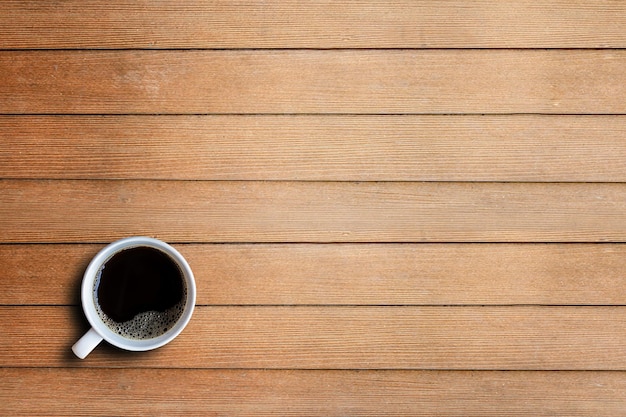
[348, 337]
[242, 211]
[302, 392]
[348, 274]
[313, 148]
[404, 208]
[314, 24]
[313, 81]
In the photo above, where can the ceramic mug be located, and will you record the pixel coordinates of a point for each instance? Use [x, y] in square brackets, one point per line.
[132, 335]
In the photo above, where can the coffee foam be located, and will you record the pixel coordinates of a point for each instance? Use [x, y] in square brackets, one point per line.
[145, 325]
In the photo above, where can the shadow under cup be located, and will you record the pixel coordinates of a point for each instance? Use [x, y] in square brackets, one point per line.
[138, 294]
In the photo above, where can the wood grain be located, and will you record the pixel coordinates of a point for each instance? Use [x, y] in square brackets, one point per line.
[392, 207]
[316, 337]
[191, 211]
[313, 24]
[349, 274]
[313, 81]
[28, 392]
[333, 148]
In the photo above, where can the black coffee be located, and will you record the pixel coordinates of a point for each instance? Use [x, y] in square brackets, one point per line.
[140, 292]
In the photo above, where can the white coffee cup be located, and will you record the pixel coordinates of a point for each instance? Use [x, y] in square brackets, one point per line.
[99, 330]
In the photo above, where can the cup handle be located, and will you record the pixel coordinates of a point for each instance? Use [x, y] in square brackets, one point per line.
[86, 344]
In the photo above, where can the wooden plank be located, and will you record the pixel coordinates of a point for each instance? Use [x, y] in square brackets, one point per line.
[349, 274]
[314, 337]
[43, 274]
[313, 81]
[325, 393]
[242, 211]
[344, 148]
[314, 24]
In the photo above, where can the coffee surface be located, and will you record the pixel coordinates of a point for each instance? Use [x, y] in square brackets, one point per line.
[140, 291]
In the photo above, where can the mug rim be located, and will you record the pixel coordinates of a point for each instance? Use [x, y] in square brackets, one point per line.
[88, 302]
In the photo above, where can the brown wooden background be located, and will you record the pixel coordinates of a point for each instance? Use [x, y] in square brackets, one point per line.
[391, 207]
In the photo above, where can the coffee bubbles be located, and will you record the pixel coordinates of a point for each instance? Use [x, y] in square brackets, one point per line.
[146, 325]
[139, 293]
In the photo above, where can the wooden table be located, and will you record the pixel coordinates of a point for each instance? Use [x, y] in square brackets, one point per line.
[391, 207]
